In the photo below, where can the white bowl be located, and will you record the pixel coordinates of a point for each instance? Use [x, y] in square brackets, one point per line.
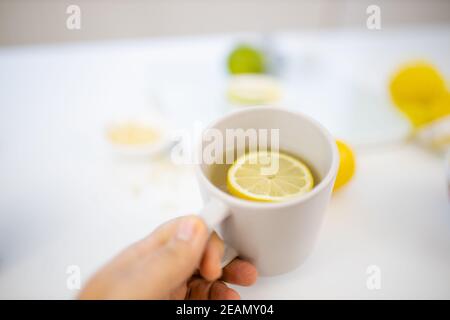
[162, 144]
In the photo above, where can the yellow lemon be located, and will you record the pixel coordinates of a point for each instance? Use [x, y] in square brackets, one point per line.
[268, 176]
[346, 165]
[418, 90]
[423, 115]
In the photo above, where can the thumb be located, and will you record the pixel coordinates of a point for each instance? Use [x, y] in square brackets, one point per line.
[180, 256]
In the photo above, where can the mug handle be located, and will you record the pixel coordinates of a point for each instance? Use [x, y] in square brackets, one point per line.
[213, 213]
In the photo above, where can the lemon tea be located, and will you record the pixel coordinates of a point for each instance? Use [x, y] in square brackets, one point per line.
[217, 172]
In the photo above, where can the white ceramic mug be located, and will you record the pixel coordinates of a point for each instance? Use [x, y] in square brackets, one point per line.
[275, 237]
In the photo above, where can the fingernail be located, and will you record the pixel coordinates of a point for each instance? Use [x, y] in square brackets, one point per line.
[186, 230]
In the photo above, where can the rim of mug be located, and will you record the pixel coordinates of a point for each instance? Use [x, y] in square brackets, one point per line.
[222, 195]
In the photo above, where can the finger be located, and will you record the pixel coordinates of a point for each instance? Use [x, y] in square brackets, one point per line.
[220, 291]
[148, 245]
[240, 272]
[124, 265]
[210, 267]
[199, 289]
[173, 263]
[179, 293]
[158, 238]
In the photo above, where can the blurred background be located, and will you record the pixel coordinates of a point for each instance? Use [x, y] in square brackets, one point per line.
[87, 117]
[40, 21]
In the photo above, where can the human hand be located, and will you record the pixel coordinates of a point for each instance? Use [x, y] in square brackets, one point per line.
[179, 260]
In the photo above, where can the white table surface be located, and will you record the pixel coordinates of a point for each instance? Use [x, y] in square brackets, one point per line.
[65, 200]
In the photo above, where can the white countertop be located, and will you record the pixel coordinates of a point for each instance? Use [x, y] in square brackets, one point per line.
[65, 200]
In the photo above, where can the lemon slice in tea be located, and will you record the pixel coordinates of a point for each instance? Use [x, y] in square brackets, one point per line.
[268, 176]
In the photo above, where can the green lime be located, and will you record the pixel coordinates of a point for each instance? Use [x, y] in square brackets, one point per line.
[245, 59]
